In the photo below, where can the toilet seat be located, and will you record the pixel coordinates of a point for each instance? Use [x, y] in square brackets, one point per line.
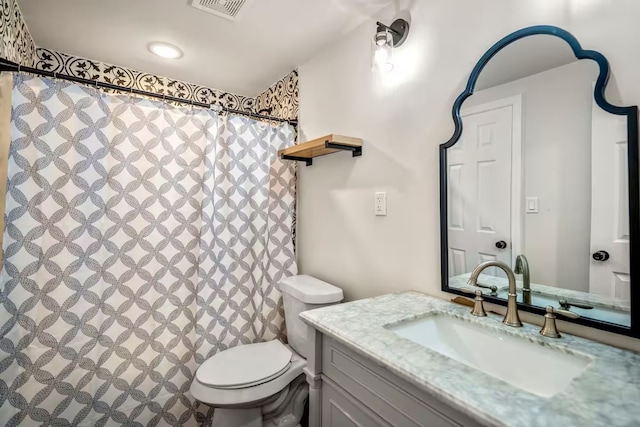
[236, 367]
[239, 397]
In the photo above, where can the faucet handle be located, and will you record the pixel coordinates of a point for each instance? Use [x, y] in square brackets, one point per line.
[492, 288]
[550, 329]
[566, 305]
[478, 306]
[566, 313]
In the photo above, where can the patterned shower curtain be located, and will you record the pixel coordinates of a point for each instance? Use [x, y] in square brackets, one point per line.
[140, 239]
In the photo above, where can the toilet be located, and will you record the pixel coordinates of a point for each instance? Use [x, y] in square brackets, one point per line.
[262, 384]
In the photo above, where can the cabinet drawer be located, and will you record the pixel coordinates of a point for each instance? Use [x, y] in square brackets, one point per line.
[395, 400]
[339, 409]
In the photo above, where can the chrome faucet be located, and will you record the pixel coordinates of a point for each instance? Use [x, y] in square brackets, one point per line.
[512, 317]
[522, 267]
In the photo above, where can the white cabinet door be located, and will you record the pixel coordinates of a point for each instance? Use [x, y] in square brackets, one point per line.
[609, 204]
[479, 185]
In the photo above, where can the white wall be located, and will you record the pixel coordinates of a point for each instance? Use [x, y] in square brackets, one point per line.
[403, 117]
[557, 169]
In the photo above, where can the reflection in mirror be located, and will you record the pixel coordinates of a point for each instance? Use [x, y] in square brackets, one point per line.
[539, 176]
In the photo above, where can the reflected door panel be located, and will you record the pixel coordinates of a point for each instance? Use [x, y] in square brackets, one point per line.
[610, 205]
[479, 169]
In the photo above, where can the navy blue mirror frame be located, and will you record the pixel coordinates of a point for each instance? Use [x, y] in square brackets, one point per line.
[634, 188]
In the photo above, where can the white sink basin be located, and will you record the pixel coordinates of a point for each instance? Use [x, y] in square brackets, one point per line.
[531, 367]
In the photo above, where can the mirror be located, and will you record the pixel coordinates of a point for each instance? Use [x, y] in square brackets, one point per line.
[538, 176]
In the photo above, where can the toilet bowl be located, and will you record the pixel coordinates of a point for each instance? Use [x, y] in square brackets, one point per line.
[262, 384]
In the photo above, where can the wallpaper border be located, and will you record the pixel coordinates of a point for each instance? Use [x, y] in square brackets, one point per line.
[281, 99]
[17, 44]
[62, 63]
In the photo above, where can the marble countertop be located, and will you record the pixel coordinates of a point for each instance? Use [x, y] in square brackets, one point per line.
[606, 394]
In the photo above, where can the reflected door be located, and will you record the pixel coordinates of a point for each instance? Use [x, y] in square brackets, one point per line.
[479, 185]
[609, 272]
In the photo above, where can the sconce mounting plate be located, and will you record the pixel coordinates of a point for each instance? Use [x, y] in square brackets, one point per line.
[399, 30]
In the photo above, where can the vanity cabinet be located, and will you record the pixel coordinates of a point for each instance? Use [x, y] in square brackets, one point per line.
[351, 390]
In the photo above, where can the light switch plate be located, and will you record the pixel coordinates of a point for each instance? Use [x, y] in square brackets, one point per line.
[531, 205]
[381, 204]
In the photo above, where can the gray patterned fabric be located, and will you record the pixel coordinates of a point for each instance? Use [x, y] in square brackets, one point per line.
[140, 240]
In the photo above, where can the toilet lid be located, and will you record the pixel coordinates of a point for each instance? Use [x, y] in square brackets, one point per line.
[245, 365]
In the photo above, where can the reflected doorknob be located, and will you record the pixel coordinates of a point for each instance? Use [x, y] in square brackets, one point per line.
[501, 244]
[601, 256]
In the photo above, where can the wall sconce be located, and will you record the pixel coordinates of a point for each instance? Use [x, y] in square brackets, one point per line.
[385, 40]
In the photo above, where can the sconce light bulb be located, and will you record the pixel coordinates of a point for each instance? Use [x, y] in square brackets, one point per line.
[382, 38]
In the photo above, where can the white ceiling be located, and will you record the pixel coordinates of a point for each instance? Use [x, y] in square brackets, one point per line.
[525, 57]
[271, 37]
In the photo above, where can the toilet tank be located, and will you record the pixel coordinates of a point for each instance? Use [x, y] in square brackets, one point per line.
[302, 293]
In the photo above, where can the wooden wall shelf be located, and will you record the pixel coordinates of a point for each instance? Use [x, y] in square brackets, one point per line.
[305, 152]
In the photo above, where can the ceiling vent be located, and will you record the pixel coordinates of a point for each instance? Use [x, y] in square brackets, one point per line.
[228, 9]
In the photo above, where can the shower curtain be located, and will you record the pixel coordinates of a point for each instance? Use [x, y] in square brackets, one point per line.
[140, 239]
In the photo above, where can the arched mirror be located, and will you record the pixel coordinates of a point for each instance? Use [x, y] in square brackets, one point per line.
[542, 174]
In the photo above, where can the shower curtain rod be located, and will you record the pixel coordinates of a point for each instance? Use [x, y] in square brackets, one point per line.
[14, 67]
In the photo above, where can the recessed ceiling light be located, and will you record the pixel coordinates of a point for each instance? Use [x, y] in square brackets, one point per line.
[165, 50]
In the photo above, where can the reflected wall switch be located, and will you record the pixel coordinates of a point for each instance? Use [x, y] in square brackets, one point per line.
[381, 204]
[531, 205]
